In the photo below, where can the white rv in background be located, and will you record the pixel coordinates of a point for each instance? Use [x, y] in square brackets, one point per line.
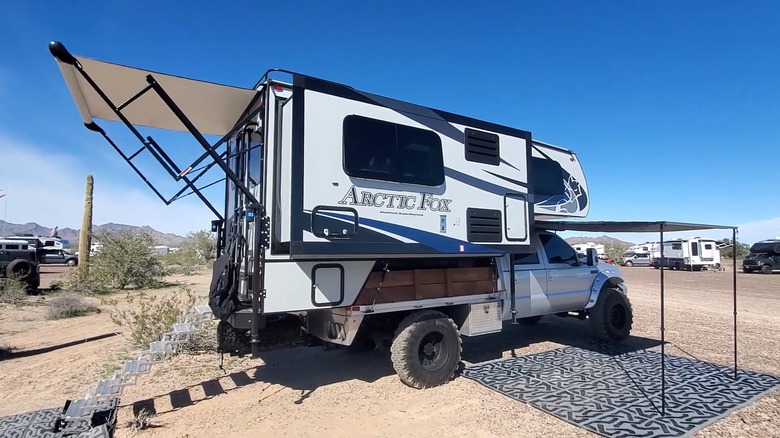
[582, 248]
[690, 254]
[652, 248]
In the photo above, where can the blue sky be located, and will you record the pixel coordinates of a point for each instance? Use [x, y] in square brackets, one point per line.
[672, 107]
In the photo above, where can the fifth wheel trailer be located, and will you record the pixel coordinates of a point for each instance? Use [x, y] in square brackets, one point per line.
[350, 216]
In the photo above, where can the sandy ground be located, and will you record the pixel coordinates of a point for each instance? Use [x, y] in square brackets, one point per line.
[310, 392]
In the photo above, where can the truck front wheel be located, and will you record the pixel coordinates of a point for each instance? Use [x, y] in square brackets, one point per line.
[426, 349]
[611, 318]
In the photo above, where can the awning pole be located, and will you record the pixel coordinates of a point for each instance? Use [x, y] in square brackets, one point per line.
[734, 275]
[663, 335]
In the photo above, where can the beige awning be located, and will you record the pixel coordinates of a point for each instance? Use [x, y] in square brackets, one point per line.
[213, 108]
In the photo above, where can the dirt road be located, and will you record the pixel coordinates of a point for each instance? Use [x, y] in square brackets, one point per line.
[310, 392]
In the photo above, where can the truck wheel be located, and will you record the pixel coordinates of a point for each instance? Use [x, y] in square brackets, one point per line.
[629, 263]
[426, 349]
[71, 262]
[19, 268]
[766, 269]
[611, 318]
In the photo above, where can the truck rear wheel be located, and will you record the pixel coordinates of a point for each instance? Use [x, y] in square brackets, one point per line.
[611, 318]
[426, 349]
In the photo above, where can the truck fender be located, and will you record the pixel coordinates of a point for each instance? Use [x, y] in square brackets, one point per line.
[604, 281]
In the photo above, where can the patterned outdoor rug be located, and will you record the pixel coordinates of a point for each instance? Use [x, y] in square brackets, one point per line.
[41, 424]
[618, 394]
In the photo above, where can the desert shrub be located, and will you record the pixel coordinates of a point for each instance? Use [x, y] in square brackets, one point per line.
[202, 341]
[12, 290]
[126, 259]
[78, 284]
[149, 316]
[180, 262]
[69, 306]
[195, 252]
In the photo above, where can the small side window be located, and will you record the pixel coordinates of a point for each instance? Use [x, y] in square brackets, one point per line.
[12, 246]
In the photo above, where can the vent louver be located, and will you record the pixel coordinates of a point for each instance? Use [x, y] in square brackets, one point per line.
[483, 225]
[482, 147]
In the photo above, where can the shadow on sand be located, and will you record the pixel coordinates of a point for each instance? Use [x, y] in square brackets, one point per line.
[306, 369]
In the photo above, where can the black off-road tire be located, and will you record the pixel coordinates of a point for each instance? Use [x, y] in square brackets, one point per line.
[426, 349]
[612, 316]
[766, 269]
[19, 268]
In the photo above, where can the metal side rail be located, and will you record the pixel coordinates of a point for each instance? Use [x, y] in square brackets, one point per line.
[100, 403]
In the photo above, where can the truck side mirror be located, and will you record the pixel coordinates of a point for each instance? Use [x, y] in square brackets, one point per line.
[592, 256]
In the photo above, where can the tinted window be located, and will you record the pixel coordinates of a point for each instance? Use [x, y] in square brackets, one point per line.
[707, 246]
[547, 177]
[376, 149]
[527, 259]
[677, 246]
[10, 246]
[558, 251]
[694, 248]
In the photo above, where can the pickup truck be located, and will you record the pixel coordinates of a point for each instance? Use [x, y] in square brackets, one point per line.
[50, 257]
[421, 314]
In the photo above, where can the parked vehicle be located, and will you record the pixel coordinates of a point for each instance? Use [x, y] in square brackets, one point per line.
[764, 257]
[689, 254]
[351, 216]
[19, 260]
[636, 259]
[60, 257]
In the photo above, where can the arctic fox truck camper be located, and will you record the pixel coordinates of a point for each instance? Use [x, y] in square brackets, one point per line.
[350, 217]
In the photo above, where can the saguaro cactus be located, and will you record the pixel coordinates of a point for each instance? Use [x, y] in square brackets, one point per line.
[85, 235]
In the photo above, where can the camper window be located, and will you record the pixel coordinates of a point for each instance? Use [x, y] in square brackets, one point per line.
[376, 149]
[677, 246]
[547, 177]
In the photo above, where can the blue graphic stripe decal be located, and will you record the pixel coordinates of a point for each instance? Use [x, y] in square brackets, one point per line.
[507, 179]
[434, 241]
[476, 182]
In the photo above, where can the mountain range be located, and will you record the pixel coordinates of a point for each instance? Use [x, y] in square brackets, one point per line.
[173, 240]
[606, 240]
[167, 239]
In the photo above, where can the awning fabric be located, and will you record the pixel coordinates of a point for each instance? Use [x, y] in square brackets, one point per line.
[626, 226]
[213, 108]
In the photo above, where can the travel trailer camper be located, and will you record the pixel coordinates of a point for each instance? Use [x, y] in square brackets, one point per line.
[582, 248]
[690, 254]
[351, 217]
[652, 248]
